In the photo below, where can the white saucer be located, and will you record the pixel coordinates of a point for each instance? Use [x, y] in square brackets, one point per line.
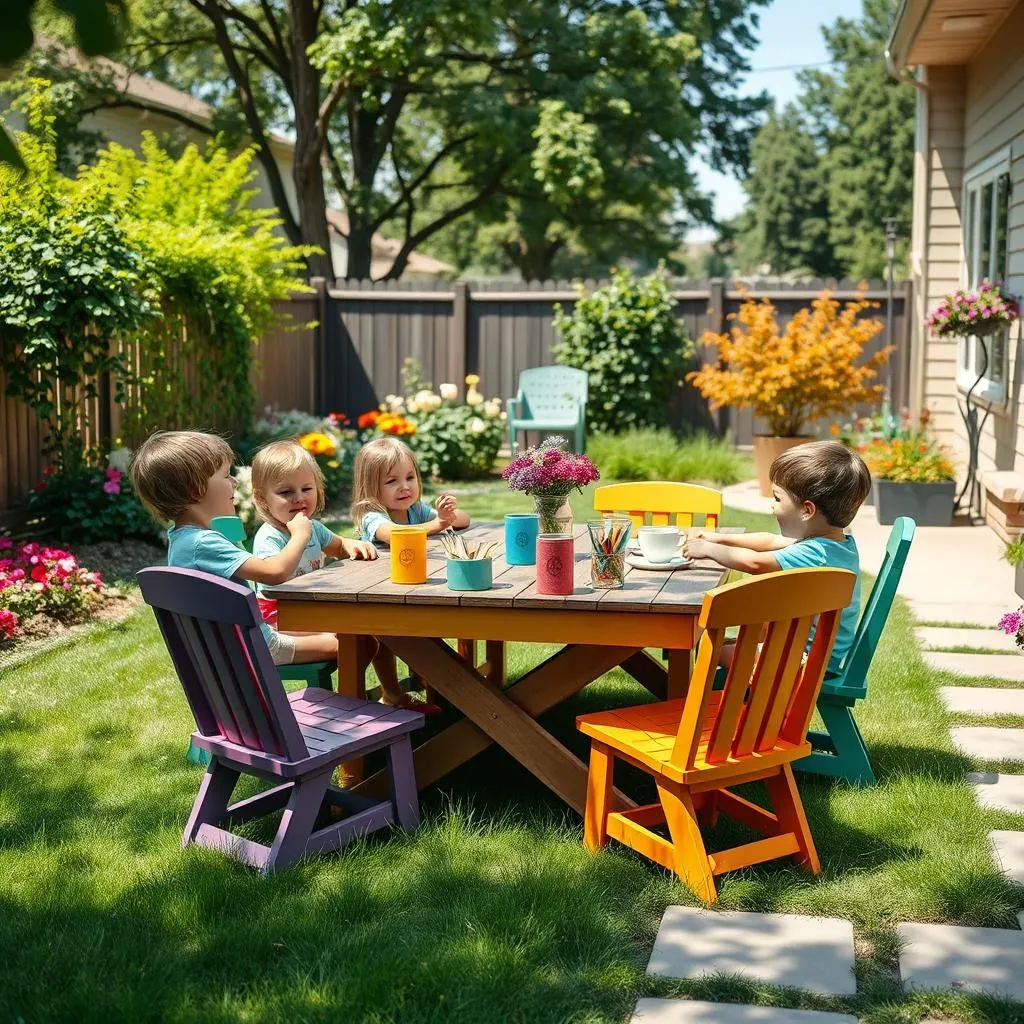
[639, 562]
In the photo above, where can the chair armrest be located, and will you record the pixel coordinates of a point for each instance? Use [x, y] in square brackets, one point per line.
[512, 406]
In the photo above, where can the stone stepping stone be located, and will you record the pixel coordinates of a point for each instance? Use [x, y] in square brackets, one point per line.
[1001, 666]
[692, 1011]
[982, 700]
[1008, 848]
[813, 953]
[946, 956]
[942, 638]
[983, 615]
[998, 792]
[989, 742]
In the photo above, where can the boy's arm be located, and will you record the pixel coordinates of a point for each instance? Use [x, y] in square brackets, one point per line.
[750, 541]
[732, 557]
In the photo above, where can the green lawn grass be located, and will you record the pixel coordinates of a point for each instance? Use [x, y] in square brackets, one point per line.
[492, 911]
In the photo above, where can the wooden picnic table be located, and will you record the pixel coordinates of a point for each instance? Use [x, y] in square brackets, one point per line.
[598, 630]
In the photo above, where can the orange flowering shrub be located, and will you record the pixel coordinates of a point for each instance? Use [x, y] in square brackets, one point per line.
[794, 376]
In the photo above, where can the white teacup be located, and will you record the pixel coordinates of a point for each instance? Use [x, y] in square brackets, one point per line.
[659, 543]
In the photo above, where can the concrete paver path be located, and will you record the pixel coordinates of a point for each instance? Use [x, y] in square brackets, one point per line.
[691, 1011]
[989, 742]
[999, 666]
[997, 792]
[982, 700]
[945, 638]
[1008, 848]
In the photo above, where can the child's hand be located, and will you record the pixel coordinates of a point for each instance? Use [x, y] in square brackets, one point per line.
[446, 508]
[359, 549]
[300, 526]
[695, 547]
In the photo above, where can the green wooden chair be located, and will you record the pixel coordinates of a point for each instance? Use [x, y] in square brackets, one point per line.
[840, 752]
[551, 399]
[312, 673]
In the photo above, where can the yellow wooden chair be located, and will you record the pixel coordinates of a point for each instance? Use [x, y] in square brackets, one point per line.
[661, 501]
[699, 747]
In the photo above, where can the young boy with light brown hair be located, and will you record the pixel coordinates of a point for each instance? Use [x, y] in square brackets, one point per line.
[816, 490]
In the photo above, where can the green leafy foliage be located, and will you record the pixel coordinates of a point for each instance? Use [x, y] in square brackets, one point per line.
[88, 505]
[627, 338]
[647, 454]
[71, 279]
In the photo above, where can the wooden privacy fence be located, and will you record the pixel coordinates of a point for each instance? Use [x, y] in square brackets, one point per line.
[498, 330]
[341, 349]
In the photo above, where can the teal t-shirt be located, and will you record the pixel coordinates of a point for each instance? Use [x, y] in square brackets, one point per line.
[269, 540]
[419, 513]
[192, 547]
[820, 553]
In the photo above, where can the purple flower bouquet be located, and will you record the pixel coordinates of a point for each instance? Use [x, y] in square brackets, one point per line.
[967, 312]
[548, 472]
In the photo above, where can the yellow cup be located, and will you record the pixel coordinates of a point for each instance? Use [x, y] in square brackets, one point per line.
[408, 554]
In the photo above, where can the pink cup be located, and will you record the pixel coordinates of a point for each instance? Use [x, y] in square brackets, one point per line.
[555, 564]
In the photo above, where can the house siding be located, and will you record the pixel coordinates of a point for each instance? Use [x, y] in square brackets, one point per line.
[994, 121]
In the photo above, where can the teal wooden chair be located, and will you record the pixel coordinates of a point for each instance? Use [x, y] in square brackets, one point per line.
[840, 752]
[312, 673]
[551, 399]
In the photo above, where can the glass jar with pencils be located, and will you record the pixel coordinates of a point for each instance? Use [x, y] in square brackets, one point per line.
[609, 537]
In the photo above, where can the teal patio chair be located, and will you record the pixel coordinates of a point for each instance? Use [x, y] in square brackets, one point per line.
[551, 399]
[312, 673]
[840, 752]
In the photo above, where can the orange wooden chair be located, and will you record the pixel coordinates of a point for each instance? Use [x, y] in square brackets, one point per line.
[699, 747]
[667, 503]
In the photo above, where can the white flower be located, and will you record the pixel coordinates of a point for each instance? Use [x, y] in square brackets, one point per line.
[492, 408]
[394, 403]
[504, 415]
[473, 397]
[449, 392]
[477, 425]
[424, 398]
[413, 406]
[119, 458]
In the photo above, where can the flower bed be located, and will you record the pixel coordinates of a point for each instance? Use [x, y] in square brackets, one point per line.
[36, 580]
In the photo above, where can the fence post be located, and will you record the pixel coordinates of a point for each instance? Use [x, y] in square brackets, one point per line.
[459, 337]
[716, 323]
[318, 390]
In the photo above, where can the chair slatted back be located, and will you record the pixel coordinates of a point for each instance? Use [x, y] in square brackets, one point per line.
[769, 691]
[660, 501]
[212, 630]
[553, 391]
[854, 670]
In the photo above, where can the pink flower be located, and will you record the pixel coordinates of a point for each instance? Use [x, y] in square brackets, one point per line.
[1011, 622]
[112, 487]
[8, 623]
[113, 474]
[6, 543]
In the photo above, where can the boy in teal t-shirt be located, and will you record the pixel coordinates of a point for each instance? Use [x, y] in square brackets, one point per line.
[817, 489]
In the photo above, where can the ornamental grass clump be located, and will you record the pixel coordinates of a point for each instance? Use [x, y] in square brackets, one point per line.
[980, 311]
[794, 376]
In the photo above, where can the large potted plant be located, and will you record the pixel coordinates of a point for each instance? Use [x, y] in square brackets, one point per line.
[913, 476]
[794, 376]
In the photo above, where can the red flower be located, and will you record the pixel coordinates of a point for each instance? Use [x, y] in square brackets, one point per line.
[38, 573]
[368, 419]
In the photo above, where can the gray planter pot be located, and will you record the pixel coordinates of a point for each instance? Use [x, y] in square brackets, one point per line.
[926, 504]
[1018, 580]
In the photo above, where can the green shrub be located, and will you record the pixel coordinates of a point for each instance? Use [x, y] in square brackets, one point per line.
[88, 505]
[1014, 552]
[627, 338]
[660, 455]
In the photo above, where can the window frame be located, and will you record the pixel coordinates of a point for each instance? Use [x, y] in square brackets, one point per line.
[987, 172]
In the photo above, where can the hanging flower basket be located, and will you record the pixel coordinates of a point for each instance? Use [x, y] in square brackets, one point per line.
[980, 312]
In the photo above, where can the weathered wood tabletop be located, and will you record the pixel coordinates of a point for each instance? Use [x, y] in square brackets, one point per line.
[600, 629]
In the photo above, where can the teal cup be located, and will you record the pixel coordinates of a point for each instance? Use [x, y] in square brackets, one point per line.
[521, 538]
[469, 574]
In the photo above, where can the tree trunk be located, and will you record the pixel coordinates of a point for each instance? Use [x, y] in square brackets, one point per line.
[360, 246]
[308, 169]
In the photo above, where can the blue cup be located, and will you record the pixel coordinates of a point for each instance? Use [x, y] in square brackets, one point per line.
[521, 538]
[469, 574]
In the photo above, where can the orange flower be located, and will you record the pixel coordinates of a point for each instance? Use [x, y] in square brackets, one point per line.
[318, 444]
[368, 419]
[835, 430]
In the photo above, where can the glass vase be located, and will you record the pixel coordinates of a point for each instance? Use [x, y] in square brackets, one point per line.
[555, 512]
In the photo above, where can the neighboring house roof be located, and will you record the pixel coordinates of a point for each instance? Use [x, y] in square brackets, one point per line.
[386, 249]
[933, 32]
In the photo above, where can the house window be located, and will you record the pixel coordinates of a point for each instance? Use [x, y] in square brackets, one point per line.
[986, 216]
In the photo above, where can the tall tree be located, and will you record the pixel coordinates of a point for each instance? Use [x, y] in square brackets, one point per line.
[423, 111]
[854, 142]
[788, 226]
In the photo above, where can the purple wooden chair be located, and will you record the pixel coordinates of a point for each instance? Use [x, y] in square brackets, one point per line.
[250, 725]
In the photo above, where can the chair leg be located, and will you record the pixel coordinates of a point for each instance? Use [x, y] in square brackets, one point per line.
[689, 853]
[599, 797]
[297, 821]
[850, 760]
[211, 801]
[789, 809]
[405, 798]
